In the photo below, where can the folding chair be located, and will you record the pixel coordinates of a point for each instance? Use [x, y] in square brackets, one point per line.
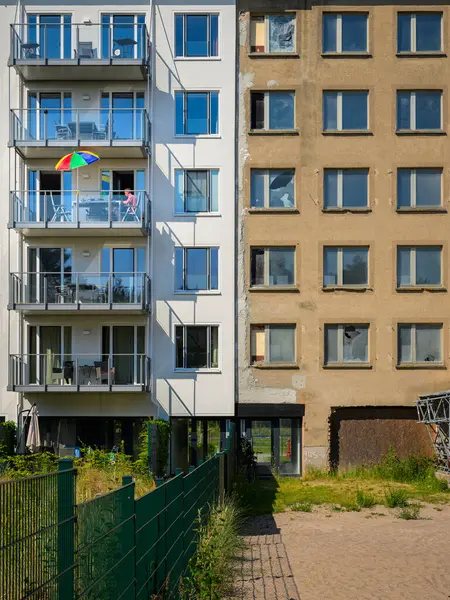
[59, 211]
[133, 211]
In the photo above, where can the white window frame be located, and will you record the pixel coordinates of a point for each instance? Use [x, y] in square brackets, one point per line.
[413, 110]
[208, 212]
[208, 341]
[208, 269]
[267, 109]
[267, 34]
[340, 190]
[198, 135]
[413, 329]
[413, 32]
[340, 344]
[266, 173]
[339, 33]
[339, 111]
[267, 250]
[61, 24]
[267, 329]
[111, 23]
[197, 14]
[340, 268]
[413, 265]
[413, 189]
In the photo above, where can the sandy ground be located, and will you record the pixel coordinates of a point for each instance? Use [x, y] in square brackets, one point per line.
[366, 556]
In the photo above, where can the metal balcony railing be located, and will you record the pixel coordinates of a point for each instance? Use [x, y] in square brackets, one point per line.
[81, 42]
[82, 207]
[72, 371]
[75, 289]
[74, 126]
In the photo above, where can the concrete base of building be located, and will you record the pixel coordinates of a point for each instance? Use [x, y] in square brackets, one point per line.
[315, 457]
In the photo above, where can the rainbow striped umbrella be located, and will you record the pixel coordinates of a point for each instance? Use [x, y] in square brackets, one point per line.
[74, 160]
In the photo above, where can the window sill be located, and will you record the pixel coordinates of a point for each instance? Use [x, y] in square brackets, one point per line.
[274, 366]
[201, 58]
[275, 288]
[347, 132]
[346, 55]
[430, 54]
[200, 136]
[341, 288]
[424, 209]
[344, 366]
[278, 209]
[406, 132]
[421, 366]
[197, 293]
[274, 132]
[420, 288]
[347, 210]
[198, 214]
[205, 371]
[274, 55]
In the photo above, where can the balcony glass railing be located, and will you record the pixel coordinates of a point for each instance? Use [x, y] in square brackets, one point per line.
[54, 369]
[83, 207]
[80, 288]
[80, 42]
[76, 126]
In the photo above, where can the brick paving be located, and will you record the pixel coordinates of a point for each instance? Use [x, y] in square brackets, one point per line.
[263, 570]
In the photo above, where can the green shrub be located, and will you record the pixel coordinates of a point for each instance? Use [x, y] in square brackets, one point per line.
[142, 464]
[410, 512]
[364, 499]
[8, 438]
[396, 498]
[299, 507]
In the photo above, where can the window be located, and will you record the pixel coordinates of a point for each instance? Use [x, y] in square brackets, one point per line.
[272, 33]
[197, 346]
[196, 269]
[421, 110]
[345, 32]
[196, 35]
[346, 344]
[197, 113]
[196, 191]
[52, 35]
[419, 32]
[346, 188]
[272, 266]
[344, 267]
[272, 110]
[419, 344]
[346, 111]
[418, 266]
[123, 36]
[419, 188]
[271, 188]
[272, 344]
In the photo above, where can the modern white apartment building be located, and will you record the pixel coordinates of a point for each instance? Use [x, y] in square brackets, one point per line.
[113, 303]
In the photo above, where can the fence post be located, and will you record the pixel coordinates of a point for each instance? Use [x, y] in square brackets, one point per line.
[66, 529]
[149, 447]
[127, 536]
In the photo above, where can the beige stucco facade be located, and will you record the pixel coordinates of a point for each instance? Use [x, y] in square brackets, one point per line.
[309, 228]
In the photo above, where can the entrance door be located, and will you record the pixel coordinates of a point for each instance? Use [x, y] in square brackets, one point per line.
[126, 347]
[261, 432]
[50, 269]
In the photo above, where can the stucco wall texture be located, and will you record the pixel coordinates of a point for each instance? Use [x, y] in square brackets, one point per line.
[309, 228]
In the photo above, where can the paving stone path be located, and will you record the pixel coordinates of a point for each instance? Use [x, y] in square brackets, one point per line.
[264, 571]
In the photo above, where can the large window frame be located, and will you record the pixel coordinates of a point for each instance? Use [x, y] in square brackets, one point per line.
[212, 191]
[413, 252]
[268, 98]
[212, 108]
[212, 30]
[341, 176]
[413, 174]
[345, 330]
[413, 33]
[339, 32]
[414, 328]
[269, 177]
[180, 335]
[340, 97]
[340, 251]
[413, 114]
[268, 352]
[182, 263]
[266, 20]
[267, 252]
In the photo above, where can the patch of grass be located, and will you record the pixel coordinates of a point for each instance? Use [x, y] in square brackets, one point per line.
[410, 512]
[298, 507]
[396, 498]
[365, 499]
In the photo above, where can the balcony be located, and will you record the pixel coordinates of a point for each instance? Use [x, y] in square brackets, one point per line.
[38, 213]
[67, 51]
[88, 292]
[81, 373]
[51, 132]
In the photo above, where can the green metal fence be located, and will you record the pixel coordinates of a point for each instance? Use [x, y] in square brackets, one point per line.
[113, 547]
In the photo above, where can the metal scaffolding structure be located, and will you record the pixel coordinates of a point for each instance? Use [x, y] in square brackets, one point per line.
[434, 412]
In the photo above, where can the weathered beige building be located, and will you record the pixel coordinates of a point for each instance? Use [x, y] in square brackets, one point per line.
[343, 310]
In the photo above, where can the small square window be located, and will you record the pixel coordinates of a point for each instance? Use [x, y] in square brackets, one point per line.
[272, 110]
[196, 35]
[272, 344]
[346, 344]
[196, 191]
[197, 113]
[346, 111]
[345, 267]
[346, 188]
[272, 34]
[272, 188]
[420, 344]
[419, 266]
[272, 267]
[419, 188]
[345, 33]
[197, 346]
[196, 269]
[419, 110]
[419, 32]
